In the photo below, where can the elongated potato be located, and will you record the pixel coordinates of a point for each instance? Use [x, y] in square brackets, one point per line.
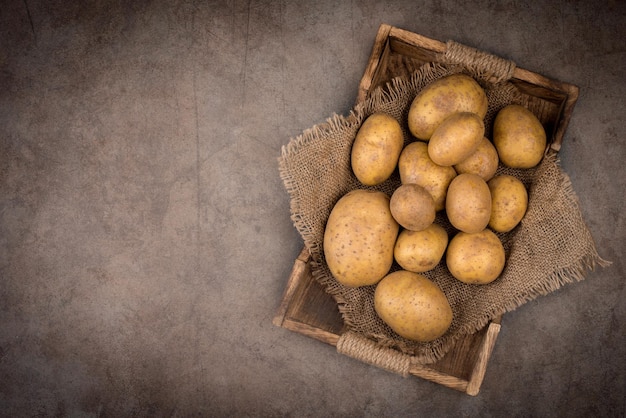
[519, 137]
[509, 201]
[456, 138]
[442, 98]
[468, 203]
[359, 238]
[376, 149]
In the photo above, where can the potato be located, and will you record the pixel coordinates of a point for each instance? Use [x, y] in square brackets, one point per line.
[483, 161]
[359, 238]
[412, 207]
[519, 137]
[420, 251]
[413, 306]
[415, 166]
[376, 149]
[456, 138]
[476, 258]
[440, 99]
[509, 201]
[468, 203]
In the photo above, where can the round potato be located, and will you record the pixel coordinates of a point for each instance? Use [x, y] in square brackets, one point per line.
[519, 137]
[412, 207]
[509, 201]
[468, 203]
[415, 166]
[476, 258]
[484, 161]
[413, 306]
[359, 238]
[376, 149]
[442, 98]
[456, 138]
[420, 251]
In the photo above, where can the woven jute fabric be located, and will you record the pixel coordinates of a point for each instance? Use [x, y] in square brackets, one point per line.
[551, 247]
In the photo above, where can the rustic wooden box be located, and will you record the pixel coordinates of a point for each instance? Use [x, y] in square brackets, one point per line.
[307, 309]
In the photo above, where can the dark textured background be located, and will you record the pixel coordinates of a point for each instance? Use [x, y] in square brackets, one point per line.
[145, 237]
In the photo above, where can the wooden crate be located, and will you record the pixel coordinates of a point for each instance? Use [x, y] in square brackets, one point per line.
[307, 309]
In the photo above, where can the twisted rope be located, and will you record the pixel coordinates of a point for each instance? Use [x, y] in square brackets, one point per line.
[361, 348]
[485, 66]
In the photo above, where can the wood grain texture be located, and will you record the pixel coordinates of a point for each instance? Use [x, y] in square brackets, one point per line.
[297, 272]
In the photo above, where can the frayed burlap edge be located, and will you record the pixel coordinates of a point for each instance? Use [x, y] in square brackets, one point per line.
[435, 350]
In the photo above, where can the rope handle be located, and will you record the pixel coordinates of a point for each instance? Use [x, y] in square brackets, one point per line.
[361, 348]
[486, 66]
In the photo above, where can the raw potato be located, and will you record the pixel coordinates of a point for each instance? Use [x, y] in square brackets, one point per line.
[376, 149]
[468, 204]
[476, 258]
[509, 201]
[442, 98]
[413, 306]
[421, 251]
[484, 161]
[359, 238]
[519, 137]
[415, 166]
[456, 138]
[412, 207]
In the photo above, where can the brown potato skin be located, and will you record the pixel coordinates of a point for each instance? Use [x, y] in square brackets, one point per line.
[440, 99]
[468, 203]
[519, 137]
[376, 148]
[413, 306]
[476, 258]
[421, 251]
[415, 166]
[456, 138]
[412, 207]
[359, 238]
[483, 161]
[509, 201]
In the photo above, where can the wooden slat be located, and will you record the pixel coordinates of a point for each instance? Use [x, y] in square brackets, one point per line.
[295, 278]
[312, 305]
[306, 302]
[310, 331]
[566, 115]
[460, 360]
[373, 63]
[480, 368]
[433, 375]
[416, 40]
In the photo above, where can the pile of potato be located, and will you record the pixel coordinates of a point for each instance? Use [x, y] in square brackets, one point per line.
[450, 166]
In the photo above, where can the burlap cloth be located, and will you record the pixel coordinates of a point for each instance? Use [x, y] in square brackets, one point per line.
[551, 247]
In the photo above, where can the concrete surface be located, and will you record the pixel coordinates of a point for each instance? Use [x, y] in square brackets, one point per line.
[145, 238]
